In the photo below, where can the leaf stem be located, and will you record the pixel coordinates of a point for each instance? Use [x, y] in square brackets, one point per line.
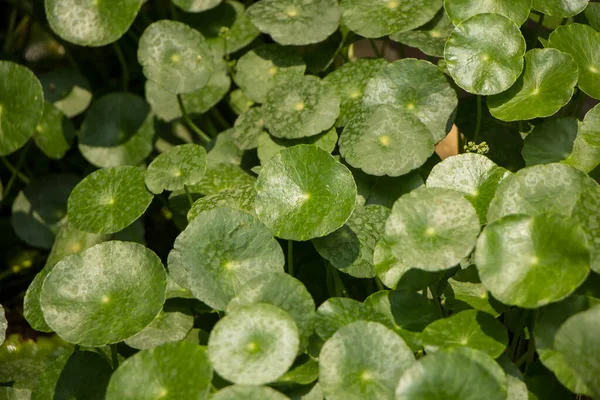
[124, 68]
[379, 284]
[189, 195]
[436, 300]
[22, 177]
[221, 121]
[114, 355]
[478, 121]
[15, 170]
[517, 334]
[290, 257]
[375, 49]
[191, 123]
[340, 290]
[212, 129]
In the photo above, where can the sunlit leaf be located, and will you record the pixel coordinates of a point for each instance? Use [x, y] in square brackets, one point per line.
[429, 38]
[54, 133]
[516, 10]
[560, 8]
[179, 166]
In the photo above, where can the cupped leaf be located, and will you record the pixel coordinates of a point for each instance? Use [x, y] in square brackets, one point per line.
[475, 176]
[300, 106]
[108, 200]
[256, 71]
[419, 88]
[175, 168]
[68, 90]
[350, 248]
[172, 371]
[363, 360]
[587, 213]
[21, 106]
[484, 54]
[560, 8]
[175, 56]
[91, 23]
[171, 325]
[577, 341]
[430, 38]
[432, 228]
[531, 261]
[295, 22]
[54, 133]
[337, 312]
[83, 298]
[470, 328]
[583, 43]
[268, 145]
[386, 140]
[547, 84]
[373, 19]
[349, 83]
[453, 374]
[222, 249]
[254, 344]
[539, 189]
[550, 142]
[248, 392]
[118, 130]
[516, 10]
[303, 193]
[248, 128]
[241, 198]
[195, 6]
[40, 210]
[285, 292]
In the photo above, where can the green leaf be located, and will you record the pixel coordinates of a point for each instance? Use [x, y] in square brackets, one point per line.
[587, 211]
[118, 130]
[591, 127]
[473, 175]
[247, 129]
[386, 140]
[300, 106]
[172, 371]
[303, 374]
[560, 8]
[453, 374]
[254, 344]
[222, 249]
[256, 71]
[3, 325]
[175, 168]
[248, 392]
[429, 38]
[295, 22]
[363, 360]
[539, 189]
[10, 393]
[577, 341]
[81, 375]
[285, 292]
[385, 190]
[91, 23]
[350, 248]
[40, 210]
[550, 142]
[54, 133]
[583, 43]
[241, 198]
[108, 200]
[268, 145]
[471, 328]
[531, 261]
[373, 19]
[432, 228]
[303, 193]
[68, 90]
[516, 10]
[238, 101]
[547, 84]
[592, 14]
[21, 106]
[337, 312]
[585, 157]
[224, 150]
[175, 56]
[196, 5]
[172, 324]
[83, 297]
[484, 54]
[466, 295]
[349, 83]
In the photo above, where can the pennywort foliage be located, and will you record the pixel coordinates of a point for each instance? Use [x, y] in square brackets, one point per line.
[229, 200]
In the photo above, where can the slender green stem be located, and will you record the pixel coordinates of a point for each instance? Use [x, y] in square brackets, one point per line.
[203, 136]
[22, 177]
[15, 171]
[375, 48]
[340, 47]
[538, 29]
[221, 121]
[114, 355]
[531, 345]
[124, 68]
[11, 27]
[290, 257]
[379, 284]
[189, 195]
[212, 129]
[340, 289]
[517, 334]
[436, 301]
[478, 121]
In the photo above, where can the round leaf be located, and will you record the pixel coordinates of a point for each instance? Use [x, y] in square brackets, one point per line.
[295, 22]
[430, 38]
[550, 142]
[179, 166]
[104, 294]
[108, 200]
[432, 228]
[300, 106]
[516, 10]
[171, 371]
[222, 249]
[248, 392]
[171, 325]
[303, 193]
[241, 198]
[268, 145]
[91, 23]
[373, 19]
[560, 8]
[68, 90]
[175, 56]
[21, 106]
[587, 213]
[337, 312]
[484, 54]
[248, 128]
[118, 130]
[470, 328]
[54, 133]
[591, 127]
[363, 360]
[255, 344]
[546, 85]
[532, 261]
[196, 5]
[453, 374]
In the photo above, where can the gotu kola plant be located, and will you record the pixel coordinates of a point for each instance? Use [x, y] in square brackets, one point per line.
[229, 200]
